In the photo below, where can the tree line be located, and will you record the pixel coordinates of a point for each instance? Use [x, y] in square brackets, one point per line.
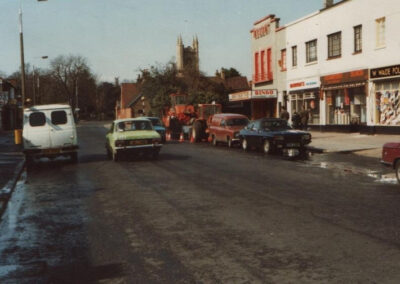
[69, 79]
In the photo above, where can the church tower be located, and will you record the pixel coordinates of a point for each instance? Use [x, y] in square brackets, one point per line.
[187, 58]
[179, 55]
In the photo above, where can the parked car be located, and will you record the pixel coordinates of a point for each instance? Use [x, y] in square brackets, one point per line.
[132, 135]
[391, 157]
[49, 131]
[225, 127]
[274, 134]
[158, 126]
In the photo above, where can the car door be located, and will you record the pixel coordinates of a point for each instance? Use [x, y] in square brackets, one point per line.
[36, 130]
[257, 137]
[62, 128]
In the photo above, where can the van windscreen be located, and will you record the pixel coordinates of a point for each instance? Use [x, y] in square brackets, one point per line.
[37, 119]
[58, 117]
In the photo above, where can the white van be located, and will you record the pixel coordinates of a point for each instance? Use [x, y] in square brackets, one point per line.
[49, 131]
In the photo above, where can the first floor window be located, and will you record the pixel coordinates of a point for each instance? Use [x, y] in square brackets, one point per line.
[294, 56]
[334, 45]
[311, 51]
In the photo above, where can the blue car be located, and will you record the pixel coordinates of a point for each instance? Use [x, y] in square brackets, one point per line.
[158, 126]
[273, 135]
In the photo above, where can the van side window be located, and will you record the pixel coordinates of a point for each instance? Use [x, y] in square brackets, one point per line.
[223, 123]
[58, 117]
[37, 119]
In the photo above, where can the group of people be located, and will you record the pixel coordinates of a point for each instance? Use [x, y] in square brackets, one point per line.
[299, 120]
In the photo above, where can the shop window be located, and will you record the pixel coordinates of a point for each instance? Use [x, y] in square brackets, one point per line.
[311, 51]
[380, 32]
[335, 45]
[294, 56]
[358, 39]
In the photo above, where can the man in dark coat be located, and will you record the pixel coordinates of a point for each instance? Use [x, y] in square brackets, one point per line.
[285, 114]
[304, 118]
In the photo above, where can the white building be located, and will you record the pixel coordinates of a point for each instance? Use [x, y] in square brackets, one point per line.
[344, 64]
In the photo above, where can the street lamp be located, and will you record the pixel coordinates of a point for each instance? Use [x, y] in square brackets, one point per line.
[21, 41]
[36, 83]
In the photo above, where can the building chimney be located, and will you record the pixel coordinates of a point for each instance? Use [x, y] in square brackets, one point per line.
[328, 3]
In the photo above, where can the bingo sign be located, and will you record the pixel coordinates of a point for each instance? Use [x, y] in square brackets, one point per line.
[265, 94]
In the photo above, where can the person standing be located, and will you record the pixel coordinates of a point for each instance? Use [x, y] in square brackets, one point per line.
[285, 114]
[304, 118]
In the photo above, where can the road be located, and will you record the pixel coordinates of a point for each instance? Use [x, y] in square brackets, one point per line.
[200, 214]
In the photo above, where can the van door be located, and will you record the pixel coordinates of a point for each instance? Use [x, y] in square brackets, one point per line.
[62, 128]
[36, 130]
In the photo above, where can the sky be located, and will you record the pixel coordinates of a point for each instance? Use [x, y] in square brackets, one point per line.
[120, 37]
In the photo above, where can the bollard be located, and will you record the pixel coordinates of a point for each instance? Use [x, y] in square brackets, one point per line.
[18, 136]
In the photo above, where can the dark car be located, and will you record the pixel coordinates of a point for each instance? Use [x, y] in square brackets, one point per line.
[391, 157]
[273, 135]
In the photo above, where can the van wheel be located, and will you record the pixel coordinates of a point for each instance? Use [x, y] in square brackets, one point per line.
[28, 160]
[74, 157]
[115, 156]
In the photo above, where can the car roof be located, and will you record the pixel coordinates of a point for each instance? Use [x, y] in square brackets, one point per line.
[150, 117]
[131, 119]
[47, 107]
[230, 115]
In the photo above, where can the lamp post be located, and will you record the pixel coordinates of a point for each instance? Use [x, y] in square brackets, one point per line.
[36, 82]
[21, 41]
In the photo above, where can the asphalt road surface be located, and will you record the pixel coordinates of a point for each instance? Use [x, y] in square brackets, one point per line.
[200, 214]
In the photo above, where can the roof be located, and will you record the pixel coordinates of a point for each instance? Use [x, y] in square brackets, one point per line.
[129, 91]
[47, 107]
[134, 101]
[238, 83]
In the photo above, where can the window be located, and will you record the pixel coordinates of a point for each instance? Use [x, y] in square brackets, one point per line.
[283, 59]
[58, 117]
[358, 39]
[335, 45]
[269, 65]
[294, 56]
[37, 119]
[380, 32]
[256, 70]
[311, 51]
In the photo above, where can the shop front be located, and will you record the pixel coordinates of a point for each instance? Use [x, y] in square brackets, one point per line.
[255, 104]
[346, 99]
[304, 95]
[386, 86]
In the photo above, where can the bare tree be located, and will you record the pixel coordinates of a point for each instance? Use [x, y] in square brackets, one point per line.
[67, 71]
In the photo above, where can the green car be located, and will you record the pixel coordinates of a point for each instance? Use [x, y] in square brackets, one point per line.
[132, 135]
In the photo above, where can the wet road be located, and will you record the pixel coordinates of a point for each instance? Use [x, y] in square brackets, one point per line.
[201, 214]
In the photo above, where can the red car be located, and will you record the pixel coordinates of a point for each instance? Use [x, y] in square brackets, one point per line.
[225, 127]
[391, 157]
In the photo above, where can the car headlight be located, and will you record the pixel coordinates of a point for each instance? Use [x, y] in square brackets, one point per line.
[119, 143]
[306, 137]
[279, 138]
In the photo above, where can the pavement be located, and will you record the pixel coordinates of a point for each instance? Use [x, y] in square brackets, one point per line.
[11, 165]
[356, 143]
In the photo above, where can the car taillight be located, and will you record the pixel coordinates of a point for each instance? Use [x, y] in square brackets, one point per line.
[119, 143]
